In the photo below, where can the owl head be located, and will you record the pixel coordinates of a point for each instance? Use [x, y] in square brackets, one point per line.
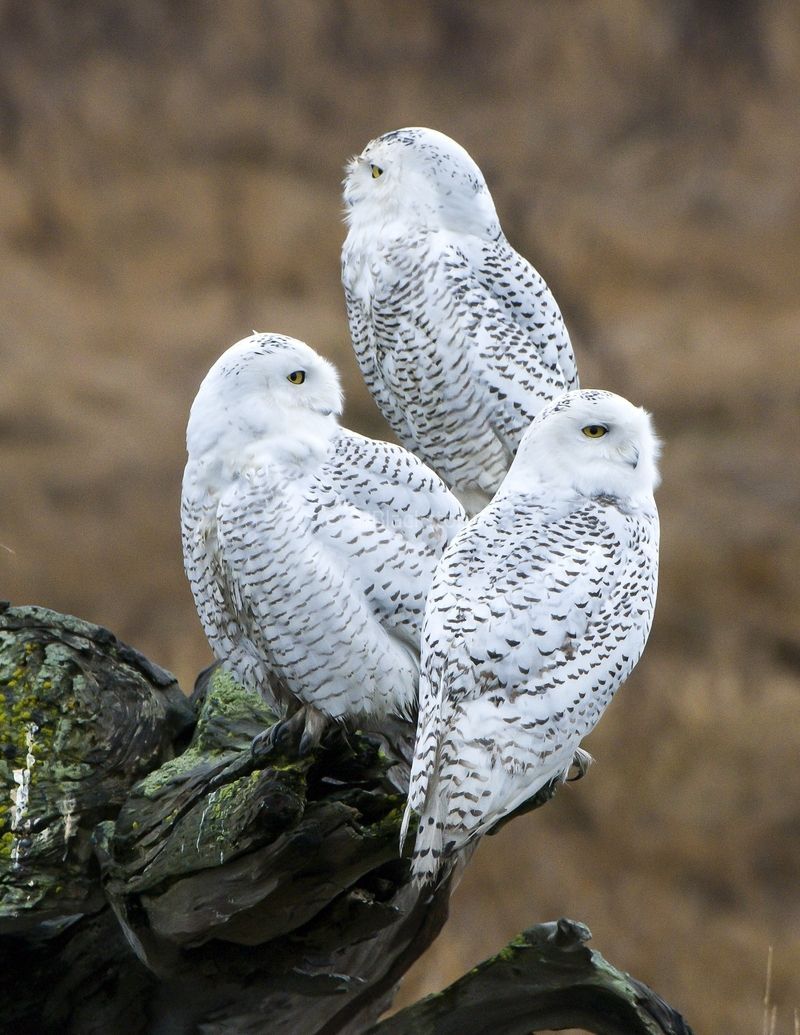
[265, 388]
[592, 442]
[421, 179]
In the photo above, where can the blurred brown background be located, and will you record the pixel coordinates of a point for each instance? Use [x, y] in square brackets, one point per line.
[169, 180]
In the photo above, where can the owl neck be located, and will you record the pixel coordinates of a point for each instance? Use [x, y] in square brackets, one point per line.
[369, 219]
[543, 472]
[298, 440]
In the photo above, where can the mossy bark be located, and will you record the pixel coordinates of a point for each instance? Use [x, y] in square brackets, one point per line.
[82, 717]
[159, 874]
[546, 979]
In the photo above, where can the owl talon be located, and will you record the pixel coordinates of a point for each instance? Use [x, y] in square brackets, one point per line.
[315, 725]
[579, 766]
[282, 738]
[296, 736]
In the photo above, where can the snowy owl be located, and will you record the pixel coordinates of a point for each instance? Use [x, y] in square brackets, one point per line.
[459, 339]
[538, 611]
[309, 549]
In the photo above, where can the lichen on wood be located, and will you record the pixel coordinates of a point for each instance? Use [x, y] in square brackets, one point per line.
[82, 717]
[278, 875]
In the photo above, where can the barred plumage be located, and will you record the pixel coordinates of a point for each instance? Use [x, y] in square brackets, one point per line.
[458, 337]
[538, 611]
[309, 549]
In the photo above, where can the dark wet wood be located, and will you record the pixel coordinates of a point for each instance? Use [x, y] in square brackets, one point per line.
[546, 979]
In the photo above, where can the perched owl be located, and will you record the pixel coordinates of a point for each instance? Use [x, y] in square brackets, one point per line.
[309, 549]
[538, 611]
[458, 337]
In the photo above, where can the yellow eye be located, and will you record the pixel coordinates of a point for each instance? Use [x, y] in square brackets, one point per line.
[297, 377]
[376, 171]
[594, 430]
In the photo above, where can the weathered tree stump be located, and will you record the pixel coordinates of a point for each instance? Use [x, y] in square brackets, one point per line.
[158, 874]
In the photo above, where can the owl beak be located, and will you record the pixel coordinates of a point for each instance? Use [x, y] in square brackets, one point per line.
[630, 454]
[328, 411]
[347, 182]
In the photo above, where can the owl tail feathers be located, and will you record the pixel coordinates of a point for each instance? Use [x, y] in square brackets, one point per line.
[428, 843]
[409, 812]
[428, 850]
[435, 845]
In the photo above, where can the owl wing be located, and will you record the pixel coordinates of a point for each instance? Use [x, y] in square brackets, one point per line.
[302, 607]
[202, 563]
[390, 518]
[217, 606]
[521, 350]
[461, 344]
[364, 339]
[529, 303]
[394, 485]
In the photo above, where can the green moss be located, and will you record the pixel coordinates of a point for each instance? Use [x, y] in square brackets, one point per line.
[29, 714]
[215, 826]
[232, 702]
[175, 769]
[390, 823]
[27, 718]
[57, 676]
[220, 801]
[229, 717]
[229, 699]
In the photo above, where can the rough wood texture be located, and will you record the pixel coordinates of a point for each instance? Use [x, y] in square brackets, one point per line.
[82, 717]
[547, 978]
[278, 876]
[160, 875]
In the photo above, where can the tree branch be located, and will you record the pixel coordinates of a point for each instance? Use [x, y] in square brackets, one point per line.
[546, 979]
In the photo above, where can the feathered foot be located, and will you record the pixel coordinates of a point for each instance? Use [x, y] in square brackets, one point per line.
[296, 735]
[580, 766]
[315, 725]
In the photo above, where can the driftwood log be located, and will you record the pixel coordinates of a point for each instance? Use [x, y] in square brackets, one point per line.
[159, 874]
